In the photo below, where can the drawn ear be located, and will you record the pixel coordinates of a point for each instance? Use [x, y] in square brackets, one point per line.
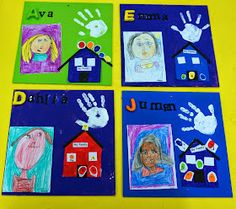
[48, 138]
[13, 143]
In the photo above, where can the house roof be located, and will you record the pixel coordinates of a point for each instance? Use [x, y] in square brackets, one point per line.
[190, 44]
[78, 52]
[199, 142]
[78, 135]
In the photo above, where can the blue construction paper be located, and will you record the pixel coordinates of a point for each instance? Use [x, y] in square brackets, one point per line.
[166, 112]
[60, 109]
[155, 19]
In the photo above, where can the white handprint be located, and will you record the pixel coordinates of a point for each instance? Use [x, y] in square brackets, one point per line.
[96, 27]
[191, 32]
[204, 124]
[97, 116]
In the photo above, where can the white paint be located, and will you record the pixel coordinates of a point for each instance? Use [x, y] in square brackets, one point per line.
[82, 15]
[92, 156]
[78, 22]
[81, 33]
[85, 171]
[84, 69]
[80, 144]
[71, 157]
[181, 60]
[205, 124]
[97, 28]
[98, 12]
[91, 62]
[191, 32]
[185, 167]
[195, 60]
[89, 13]
[96, 171]
[198, 19]
[198, 148]
[211, 173]
[209, 161]
[97, 116]
[189, 16]
[190, 159]
[78, 61]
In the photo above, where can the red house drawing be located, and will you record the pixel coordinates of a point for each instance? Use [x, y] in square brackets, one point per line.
[82, 157]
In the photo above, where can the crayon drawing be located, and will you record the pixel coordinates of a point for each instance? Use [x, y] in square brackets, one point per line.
[151, 157]
[41, 48]
[144, 57]
[29, 159]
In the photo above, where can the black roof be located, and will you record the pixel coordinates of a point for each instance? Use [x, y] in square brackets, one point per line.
[199, 142]
[78, 52]
[190, 44]
[78, 135]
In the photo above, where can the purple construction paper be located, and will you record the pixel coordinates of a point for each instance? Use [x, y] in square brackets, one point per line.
[53, 31]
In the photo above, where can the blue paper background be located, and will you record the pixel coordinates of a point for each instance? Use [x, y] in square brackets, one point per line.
[172, 40]
[62, 117]
[140, 116]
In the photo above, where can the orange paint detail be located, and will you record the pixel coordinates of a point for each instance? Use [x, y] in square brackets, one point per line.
[188, 176]
[132, 107]
[90, 44]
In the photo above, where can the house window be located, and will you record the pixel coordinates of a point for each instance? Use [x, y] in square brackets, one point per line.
[78, 61]
[71, 157]
[190, 159]
[181, 60]
[91, 62]
[209, 161]
[195, 60]
[93, 156]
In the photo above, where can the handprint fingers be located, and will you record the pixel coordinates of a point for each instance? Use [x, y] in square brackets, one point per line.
[190, 128]
[92, 99]
[205, 27]
[86, 99]
[174, 27]
[194, 107]
[181, 116]
[80, 122]
[182, 17]
[211, 109]
[103, 100]
[82, 105]
[189, 16]
[199, 17]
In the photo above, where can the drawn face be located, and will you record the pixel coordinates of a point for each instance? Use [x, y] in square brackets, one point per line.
[149, 154]
[41, 44]
[144, 46]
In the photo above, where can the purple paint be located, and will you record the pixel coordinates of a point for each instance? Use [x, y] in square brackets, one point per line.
[47, 59]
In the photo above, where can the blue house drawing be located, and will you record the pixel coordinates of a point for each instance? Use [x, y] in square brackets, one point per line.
[191, 64]
[84, 66]
[198, 166]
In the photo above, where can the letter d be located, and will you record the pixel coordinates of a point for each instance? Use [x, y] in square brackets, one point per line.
[19, 98]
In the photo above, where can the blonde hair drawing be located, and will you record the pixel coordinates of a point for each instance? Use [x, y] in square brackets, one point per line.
[26, 48]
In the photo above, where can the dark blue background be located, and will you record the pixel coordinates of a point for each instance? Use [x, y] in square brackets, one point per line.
[62, 117]
[201, 100]
[172, 40]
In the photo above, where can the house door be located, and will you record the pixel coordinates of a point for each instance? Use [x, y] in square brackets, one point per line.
[198, 176]
[83, 77]
[82, 171]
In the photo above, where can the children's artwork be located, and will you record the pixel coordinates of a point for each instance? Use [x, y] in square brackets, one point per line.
[151, 157]
[144, 57]
[66, 148]
[166, 45]
[41, 48]
[29, 159]
[75, 48]
[174, 145]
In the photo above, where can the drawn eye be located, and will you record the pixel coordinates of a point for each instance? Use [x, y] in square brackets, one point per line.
[28, 136]
[144, 152]
[154, 151]
[39, 134]
[39, 40]
[139, 44]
